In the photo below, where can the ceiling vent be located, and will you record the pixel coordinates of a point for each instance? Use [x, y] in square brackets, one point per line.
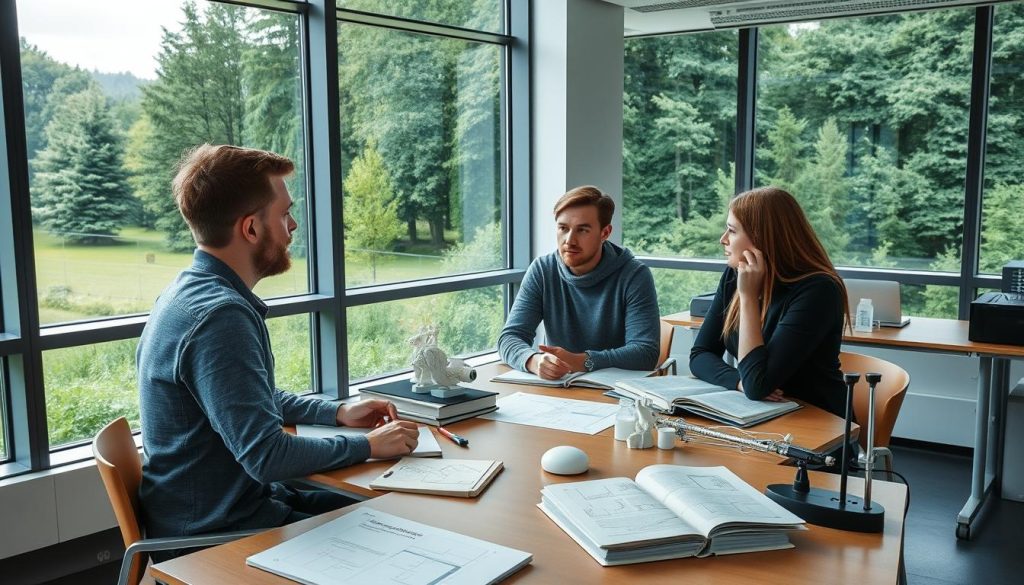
[645, 17]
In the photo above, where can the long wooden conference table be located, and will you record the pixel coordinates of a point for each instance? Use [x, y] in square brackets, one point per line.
[506, 512]
[950, 336]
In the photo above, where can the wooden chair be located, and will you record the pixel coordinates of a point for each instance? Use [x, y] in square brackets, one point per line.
[118, 460]
[889, 395]
[666, 363]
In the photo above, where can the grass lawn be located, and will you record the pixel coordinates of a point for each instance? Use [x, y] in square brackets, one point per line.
[128, 274]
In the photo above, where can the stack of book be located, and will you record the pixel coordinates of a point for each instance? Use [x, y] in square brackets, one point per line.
[432, 410]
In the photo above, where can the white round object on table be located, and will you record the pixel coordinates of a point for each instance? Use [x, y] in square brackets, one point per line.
[565, 460]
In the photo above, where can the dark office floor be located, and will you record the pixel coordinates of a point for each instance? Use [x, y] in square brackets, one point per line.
[939, 484]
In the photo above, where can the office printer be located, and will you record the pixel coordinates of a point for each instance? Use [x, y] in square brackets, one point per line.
[997, 317]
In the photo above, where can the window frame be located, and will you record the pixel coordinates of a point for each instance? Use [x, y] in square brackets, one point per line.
[22, 339]
[968, 280]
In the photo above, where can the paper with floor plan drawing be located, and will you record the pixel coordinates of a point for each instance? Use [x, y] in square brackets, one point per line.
[369, 547]
[564, 414]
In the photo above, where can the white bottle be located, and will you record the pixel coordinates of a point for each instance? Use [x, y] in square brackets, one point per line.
[865, 317]
[625, 420]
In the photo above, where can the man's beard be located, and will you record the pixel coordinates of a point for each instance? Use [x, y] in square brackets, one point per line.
[271, 259]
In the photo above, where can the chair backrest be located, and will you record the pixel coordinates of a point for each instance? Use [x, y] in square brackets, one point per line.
[889, 394]
[117, 458]
[666, 341]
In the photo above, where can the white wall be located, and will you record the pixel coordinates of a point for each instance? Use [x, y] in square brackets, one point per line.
[43, 509]
[577, 77]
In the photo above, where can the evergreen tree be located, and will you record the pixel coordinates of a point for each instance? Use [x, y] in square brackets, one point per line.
[371, 211]
[196, 98]
[82, 190]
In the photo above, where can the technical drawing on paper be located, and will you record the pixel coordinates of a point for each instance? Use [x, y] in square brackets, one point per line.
[438, 472]
[425, 563]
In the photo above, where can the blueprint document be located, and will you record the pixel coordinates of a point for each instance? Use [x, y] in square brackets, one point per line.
[370, 547]
[564, 414]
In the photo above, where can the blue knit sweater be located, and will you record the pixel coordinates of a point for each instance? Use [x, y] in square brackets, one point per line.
[211, 415]
[612, 311]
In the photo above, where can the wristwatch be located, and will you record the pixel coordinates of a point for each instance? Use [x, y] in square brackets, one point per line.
[588, 364]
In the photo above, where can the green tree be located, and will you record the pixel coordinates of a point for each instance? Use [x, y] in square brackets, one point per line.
[82, 189]
[371, 211]
[681, 128]
[786, 149]
[46, 84]
[272, 88]
[196, 98]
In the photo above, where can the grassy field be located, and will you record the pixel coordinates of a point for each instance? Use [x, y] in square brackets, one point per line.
[126, 275]
[88, 386]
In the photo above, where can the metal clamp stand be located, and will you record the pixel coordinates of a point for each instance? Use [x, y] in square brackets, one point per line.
[826, 507]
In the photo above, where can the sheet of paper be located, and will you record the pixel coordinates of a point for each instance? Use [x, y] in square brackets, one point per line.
[370, 547]
[436, 474]
[427, 446]
[564, 414]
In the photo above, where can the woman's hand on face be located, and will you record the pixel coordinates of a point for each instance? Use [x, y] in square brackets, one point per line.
[750, 273]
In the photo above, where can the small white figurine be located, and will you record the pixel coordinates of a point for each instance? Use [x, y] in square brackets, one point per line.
[432, 371]
[643, 435]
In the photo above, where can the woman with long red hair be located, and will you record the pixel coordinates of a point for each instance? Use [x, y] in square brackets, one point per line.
[779, 309]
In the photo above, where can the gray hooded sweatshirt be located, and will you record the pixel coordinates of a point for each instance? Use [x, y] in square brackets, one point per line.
[612, 311]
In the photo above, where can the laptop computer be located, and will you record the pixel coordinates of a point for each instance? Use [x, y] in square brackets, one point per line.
[885, 298]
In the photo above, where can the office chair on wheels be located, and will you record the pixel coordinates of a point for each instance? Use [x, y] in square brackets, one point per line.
[120, 467]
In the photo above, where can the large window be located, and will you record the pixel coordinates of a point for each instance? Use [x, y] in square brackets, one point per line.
[468, 322]
[422, 154]
[109, 109]
[864, 120]
[1003, 201]
[418, 161]
[679, 128]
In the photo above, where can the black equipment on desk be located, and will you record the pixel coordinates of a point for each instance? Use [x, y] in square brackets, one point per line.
[700, 304]
[997, 317]
[1013, 277]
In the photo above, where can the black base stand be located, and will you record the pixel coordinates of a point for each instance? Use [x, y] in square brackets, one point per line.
[821, 507]
[826, 507]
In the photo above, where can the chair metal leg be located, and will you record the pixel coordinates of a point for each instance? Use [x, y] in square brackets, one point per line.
[126, 567]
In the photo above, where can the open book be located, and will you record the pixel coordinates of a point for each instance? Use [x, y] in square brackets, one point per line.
[603, 379]
[669, 512]
[370, 547]
[704, 399]
[442, 477]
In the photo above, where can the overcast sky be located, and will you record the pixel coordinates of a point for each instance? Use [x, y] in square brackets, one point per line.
[108, 35]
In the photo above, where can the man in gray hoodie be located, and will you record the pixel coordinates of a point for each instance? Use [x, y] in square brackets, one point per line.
[597, 302]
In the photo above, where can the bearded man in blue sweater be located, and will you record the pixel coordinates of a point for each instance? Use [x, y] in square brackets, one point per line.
[597, 302]
[212, 417]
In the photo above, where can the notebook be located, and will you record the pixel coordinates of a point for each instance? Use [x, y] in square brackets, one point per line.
[427, 446]
[465, 478]
[885, 300]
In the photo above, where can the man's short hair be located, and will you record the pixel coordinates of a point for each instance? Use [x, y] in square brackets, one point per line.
[588, 195]
[216, 185]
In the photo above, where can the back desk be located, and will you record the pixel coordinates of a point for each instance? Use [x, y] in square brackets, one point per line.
[950, 336]
[506, 512]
